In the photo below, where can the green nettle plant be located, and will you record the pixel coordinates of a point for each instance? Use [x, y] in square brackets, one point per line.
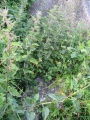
[55, 51]
[8, 104]
[50, 48]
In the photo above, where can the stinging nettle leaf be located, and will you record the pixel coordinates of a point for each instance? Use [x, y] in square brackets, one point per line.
[35, 44]
[34, 61]
[79, 95]
[73, 55]
[61, 98]
[58, 97]
[2, 99]
[14, 92]
[36, 97]
[24, 56]
[45, 112]
[2, 80]
[30, 115]
[76, 104]
[51, 95]
[3, 110]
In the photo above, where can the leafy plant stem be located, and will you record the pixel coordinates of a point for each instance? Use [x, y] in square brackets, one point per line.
[18, 116]
[8, 65]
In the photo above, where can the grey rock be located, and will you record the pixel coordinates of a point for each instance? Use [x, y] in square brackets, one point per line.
[42, 5]
[79, 8]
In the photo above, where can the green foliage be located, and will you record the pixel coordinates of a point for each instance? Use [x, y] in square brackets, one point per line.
[52, 48]
[8, 66]
[45, 112]
[47, 47]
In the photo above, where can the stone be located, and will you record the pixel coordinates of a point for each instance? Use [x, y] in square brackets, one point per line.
[75, 9]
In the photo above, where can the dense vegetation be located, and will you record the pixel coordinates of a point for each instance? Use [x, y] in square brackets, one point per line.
[47, 47]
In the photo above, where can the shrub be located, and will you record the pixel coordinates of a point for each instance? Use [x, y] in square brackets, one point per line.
[47, 47]
[52, 48]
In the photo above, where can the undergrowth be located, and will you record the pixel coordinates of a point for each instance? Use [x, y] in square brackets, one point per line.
[49, 48]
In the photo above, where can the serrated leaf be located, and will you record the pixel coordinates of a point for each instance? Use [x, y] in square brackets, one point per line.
[19, 110]
[73, 55]
[24, 56]
[58, 97]
[35, 44]
[36, 97]
[14, 92]
[16, 43]
[32, 49]
[28, 101]
[34, 61]
[76, 104]
[51, 95]
[3, 110]
[12, 116]
[79, 95]
[45, 112]
[30, 115]
[2, 80]
[2, 99]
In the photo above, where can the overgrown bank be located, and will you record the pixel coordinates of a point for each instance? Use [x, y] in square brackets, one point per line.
[46, 47]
